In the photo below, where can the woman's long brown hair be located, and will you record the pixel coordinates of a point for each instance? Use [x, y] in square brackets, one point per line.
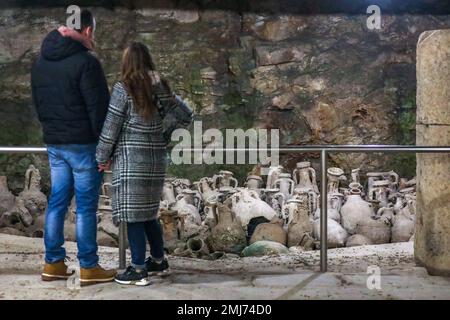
[136, 65]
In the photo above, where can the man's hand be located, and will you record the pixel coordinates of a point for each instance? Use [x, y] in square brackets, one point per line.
[104, 166]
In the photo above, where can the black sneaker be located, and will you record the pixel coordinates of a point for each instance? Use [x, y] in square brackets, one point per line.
[131, 276]
[156, 269]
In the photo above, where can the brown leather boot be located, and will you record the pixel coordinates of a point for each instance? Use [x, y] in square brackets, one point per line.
[55, 271]
[96, 275]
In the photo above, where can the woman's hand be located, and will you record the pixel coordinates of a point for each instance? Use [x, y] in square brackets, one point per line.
[104, 166]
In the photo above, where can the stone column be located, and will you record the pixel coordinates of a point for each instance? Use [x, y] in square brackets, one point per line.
[432, 239]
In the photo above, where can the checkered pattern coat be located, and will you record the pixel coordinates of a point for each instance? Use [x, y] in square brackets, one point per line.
[138, 150]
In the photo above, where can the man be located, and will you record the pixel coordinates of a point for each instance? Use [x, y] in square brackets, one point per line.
[71, 97]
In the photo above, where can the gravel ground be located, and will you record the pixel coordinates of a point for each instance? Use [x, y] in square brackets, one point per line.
[292, 276]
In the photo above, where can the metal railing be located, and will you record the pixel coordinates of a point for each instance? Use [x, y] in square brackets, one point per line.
[323, 150]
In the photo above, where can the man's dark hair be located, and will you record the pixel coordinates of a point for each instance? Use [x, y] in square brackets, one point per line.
[86, 19]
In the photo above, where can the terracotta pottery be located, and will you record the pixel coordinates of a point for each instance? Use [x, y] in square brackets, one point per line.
[357, 240]
[337, 235]
[355, 175]
[187, 206]
[299, 223]
[224, 179]
[31, 194]
[285, 184]
[272, 176]
[380, 192]
[275, 199]
[334, 207]
[6, 197]
[272, 231]
[254, 182]
[403, 225]
[228, 235]
[170, 223]
[335, 175]
[305, 177]
[264, 248]
[205, 188]
[168, 193]
[355, 211]
[246, 204]
[198, 247]
[376, 230]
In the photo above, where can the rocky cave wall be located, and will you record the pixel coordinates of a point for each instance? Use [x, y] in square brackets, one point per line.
[320, 79]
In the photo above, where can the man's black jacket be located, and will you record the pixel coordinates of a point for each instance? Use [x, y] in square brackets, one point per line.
[69, 90]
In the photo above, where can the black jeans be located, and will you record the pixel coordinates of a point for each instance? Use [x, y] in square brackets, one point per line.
[138, 234]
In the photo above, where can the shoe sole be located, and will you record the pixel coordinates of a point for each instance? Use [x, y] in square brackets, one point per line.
[88, 282]
[143, 282]
[53, 277]
[163, 273]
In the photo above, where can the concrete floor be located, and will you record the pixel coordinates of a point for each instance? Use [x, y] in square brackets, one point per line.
[293, 276]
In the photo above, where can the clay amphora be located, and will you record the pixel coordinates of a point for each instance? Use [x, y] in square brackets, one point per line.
[228, 235]
[376, 230]
[189, 196]
[357, 240]
[271, 231]
[6, 197]
[311, 198]
[390, 176]
[187, 206]
[168, 192]
[170, 223]
[275, 199]
[180, 185]
[355, 175]
[298, 221]
[285, 184]
[272, 176]
[335, 175]
[210, 212]
[305, 177]
[205, 188]
[246, 204]
[386, 214]
[380, 192]
[403, 225]
[31, 194]
[334, 207]
[355, 211]
[253, 182]
[264, 248]
[224, 179]
[197, 247]
[337, 236]
[104, 205]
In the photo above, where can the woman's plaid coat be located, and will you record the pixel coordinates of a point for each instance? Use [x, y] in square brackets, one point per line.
[138, 151]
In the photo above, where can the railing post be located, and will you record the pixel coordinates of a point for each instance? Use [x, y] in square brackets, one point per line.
[323, 213]
[122, 247]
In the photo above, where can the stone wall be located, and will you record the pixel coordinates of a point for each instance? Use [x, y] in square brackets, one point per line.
[432, 242]
[319, 78]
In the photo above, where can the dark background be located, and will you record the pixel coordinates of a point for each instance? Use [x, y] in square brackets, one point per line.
[267, 6]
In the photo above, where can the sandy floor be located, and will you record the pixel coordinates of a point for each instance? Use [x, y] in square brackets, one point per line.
[293, 276]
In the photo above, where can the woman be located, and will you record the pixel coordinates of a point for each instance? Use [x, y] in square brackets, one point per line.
[133, 137]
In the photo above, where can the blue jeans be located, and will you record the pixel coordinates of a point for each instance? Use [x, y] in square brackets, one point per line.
[137, 233]
[73, 171]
